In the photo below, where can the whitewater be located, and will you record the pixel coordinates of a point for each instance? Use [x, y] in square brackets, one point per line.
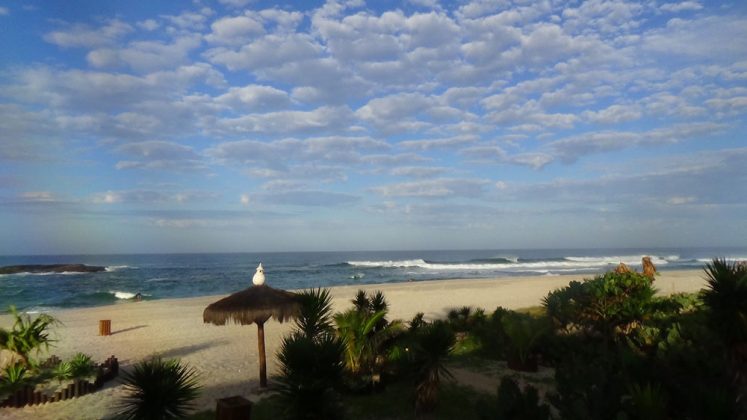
[161, 276]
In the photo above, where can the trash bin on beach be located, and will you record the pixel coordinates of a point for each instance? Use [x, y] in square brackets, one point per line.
[105, 327]
[233, 408]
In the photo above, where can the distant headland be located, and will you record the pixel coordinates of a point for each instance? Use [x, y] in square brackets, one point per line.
[51, 268]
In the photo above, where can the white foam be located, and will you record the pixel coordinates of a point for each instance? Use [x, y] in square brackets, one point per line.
[111, 268]
[125, 295]
[567, 264]
[617, 259]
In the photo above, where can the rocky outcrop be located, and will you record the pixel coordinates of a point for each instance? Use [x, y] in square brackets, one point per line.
[649, 269]
[51, 268]
[622, 269]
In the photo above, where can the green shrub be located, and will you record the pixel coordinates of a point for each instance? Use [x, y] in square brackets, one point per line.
[159, 389]
[81, 366]
[27, 335]
[610, 305]
[14, 377]
[310, 372]
[511, 403]
[522, 333]
[63, 371]
[434, 344]
[315, 316]
[491, 336]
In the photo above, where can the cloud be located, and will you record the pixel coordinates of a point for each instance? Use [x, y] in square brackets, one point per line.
[436, 188]
[160, 155]
[681, 6]
[86, 36]
[308, 198]
[322, 119]
[39, 197]
[244, 199]
[255, 97]
[4, 11]
[151, 197]
[442, 143]
[234, 30]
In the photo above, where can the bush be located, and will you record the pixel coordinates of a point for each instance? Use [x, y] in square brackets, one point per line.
[610, 305]
[522, 333]
[491, 336]
[27, 335]
[81, 366]
[159, 389]
[512, 403]
[434, 343]
[14, 378]
[311, 370]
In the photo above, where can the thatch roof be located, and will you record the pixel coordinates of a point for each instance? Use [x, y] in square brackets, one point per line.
[255, 304]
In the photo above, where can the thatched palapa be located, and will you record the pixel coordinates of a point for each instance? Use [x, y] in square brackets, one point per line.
[255, 304]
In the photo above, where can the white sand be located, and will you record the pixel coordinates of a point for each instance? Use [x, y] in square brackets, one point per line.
[226, 357]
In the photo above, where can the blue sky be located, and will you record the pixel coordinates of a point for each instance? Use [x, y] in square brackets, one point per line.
[238, 125]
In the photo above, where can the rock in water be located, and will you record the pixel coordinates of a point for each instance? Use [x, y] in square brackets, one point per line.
[51, 268]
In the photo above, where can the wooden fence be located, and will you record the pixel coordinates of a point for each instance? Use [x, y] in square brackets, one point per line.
[27, 396]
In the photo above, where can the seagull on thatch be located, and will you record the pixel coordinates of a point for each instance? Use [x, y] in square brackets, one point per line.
[259, 276]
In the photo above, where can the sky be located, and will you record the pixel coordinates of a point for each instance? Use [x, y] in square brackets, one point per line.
[240, 125]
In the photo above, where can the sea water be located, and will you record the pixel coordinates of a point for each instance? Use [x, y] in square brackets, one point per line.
[159, 276]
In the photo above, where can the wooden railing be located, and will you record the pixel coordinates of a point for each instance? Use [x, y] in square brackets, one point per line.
[28, 396]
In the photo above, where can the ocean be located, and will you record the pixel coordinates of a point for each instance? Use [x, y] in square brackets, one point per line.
[159, 276]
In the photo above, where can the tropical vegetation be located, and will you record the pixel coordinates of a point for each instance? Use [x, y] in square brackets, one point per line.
[159, 389]
[612, 348]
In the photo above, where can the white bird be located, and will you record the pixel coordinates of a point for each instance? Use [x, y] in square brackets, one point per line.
[259, 276]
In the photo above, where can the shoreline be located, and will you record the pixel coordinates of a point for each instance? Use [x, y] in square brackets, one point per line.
[35, 309]
[226, 356]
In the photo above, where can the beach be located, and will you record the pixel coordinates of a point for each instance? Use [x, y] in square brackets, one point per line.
[226, 356]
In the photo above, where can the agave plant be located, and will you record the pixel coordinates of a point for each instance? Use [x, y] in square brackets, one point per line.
[14, 377]
[159, 389]
[27, 335]
[63, 371]
[81, 366]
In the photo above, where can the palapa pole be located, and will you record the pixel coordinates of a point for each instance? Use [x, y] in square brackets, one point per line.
[262, 358]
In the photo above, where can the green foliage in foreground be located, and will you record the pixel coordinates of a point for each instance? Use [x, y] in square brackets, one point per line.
[513, 403]
[311, 371]
[610, 305]
[159, 389]
[27, 335]
[394, 403]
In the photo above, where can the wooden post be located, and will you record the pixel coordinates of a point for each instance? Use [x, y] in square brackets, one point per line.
[233, 408]
[105, 327]
[262, 359]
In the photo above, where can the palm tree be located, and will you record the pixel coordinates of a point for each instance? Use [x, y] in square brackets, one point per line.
[726, 303]
[159, 389]
[315, 316]
[356, 329]
[27, 335]
[726, 300]
[310, 370]
[434, 343]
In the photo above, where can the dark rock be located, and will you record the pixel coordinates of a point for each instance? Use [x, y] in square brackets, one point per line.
[51, 268]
